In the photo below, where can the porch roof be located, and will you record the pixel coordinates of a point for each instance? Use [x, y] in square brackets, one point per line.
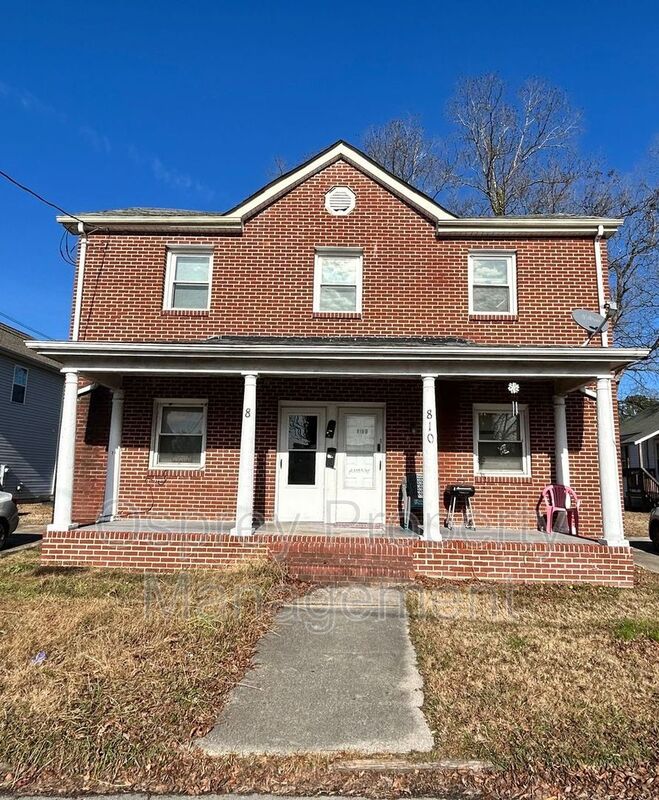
[340, 356]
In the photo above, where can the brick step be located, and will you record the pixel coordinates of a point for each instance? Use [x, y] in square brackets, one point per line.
[368, 562]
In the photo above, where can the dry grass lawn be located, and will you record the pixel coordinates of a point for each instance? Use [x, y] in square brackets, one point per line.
[129, 673]
[554, 676]
[557, 686]
[636, 523]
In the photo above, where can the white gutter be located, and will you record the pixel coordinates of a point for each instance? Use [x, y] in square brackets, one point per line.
[527, 226]
[600, 280]
[170, 223]
[80, 277]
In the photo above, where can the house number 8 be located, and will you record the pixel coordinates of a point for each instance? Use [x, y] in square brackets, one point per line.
[248, 412]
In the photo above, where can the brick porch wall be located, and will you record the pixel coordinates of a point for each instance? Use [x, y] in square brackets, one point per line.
[342, 558]
[210, 493]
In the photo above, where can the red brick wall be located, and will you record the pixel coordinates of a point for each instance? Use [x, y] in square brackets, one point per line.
[210, 493]
[341, 558]
[414, 283]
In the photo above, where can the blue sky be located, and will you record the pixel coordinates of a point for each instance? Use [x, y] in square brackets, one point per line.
[188, 104]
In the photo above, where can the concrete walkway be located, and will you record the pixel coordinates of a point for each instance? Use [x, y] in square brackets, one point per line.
[336, 673]
[645, 553]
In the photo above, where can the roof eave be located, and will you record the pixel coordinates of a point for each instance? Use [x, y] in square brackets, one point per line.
[530, 226]
[152, 223]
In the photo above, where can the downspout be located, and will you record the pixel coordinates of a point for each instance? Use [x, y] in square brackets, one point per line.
[600, 280]
[79, 282]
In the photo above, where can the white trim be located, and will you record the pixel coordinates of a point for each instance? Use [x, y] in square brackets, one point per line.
[496, 408]
[173, 252]
[162, 402]
[80, 282]
[600, 281]
[341, 150]
[86, 389]
[14, 383]
[352, 201]
[172, 223]
[441, 352]
[528, 226]
[511, 285]
[342, 252]
[645, 438]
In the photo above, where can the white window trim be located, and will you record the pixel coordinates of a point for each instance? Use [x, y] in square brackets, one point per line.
[317, 278]
[511, 256]
[495, 408]
[158, 405]
[14, 383]
[173, 251]
[351, 207]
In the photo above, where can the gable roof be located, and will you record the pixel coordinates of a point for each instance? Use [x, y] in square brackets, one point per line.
[12, 344]
[340, 151]
[642, 426]
[232, 221]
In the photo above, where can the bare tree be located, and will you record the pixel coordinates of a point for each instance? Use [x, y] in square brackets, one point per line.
[514, 155]
[633, 258]
[402, 147]
[517, 154]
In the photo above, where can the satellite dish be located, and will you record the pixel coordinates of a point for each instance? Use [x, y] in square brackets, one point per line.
[590, 321]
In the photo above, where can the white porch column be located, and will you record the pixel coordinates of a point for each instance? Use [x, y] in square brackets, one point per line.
[608, 466]
[110, 504]
[431, 518]
[245, 494]
[66, 454]
[560, 441]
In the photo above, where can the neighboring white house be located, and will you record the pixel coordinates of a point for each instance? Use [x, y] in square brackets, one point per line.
[639, 437]
[30, 403]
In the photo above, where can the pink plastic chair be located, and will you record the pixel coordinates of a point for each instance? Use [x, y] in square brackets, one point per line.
[561, 498]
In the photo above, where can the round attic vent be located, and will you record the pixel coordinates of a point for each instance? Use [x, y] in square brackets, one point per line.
[340, 201]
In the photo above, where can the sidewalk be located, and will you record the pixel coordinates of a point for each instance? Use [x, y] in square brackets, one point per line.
[336, 673]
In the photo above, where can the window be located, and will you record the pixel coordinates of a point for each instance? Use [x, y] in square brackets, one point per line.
[338, 280]
[501, 441]
[492, 288]
[188, 280]
[340, 201]
[179, 434]
[19, 385]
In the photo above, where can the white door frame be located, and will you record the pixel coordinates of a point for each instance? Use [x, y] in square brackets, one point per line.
[332, 412]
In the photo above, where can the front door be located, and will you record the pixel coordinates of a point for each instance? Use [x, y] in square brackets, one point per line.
[360, 466]
[301, 465]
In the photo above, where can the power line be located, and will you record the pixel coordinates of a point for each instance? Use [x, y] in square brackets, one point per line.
[37, 195]
[24, 326]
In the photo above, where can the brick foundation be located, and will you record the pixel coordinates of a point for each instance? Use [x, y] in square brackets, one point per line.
[344, 558]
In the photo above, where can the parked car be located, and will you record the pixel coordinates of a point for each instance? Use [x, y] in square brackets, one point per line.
[8, 517]
[653, 527]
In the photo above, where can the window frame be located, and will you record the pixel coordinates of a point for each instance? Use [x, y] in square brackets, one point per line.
[14, 383]
[497, 408]
[161, 403]
[173, 252]
[511, 258]
[320, 253]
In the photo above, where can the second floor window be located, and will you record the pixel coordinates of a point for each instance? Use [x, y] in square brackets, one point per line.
[492, 283]
[188, 281]
[338, 280]
[19, 385]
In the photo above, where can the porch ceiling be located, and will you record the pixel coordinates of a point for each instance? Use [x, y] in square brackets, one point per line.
[107, 361]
